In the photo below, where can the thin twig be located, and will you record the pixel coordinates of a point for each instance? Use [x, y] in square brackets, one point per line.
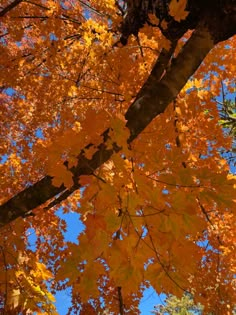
[6, 276]
[120, 299]
[37, 4]
[204, 211]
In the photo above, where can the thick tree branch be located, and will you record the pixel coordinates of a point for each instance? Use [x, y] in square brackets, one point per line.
[152, 100]
[155, 96]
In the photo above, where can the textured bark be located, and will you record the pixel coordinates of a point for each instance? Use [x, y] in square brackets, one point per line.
[155, 96]
[152, 100]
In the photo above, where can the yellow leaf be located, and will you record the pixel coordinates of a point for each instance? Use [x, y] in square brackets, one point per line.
[45, 273]
[77, 127]
[192, 157]
[72, 91]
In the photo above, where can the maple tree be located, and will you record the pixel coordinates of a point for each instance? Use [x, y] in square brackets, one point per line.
[109, 110]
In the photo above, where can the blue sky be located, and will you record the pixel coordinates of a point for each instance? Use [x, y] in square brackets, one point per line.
[147, 303]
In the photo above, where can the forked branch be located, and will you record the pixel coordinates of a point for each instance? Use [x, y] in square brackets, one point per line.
[158, 91]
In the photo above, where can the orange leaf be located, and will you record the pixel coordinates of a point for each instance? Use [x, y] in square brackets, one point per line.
[177, 9]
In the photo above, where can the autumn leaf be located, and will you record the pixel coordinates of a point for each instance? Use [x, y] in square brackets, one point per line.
[177, 9]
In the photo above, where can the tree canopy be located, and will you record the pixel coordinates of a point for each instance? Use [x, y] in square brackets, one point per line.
[110, 109]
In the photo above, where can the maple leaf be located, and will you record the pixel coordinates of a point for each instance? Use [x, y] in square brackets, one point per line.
[177, 9]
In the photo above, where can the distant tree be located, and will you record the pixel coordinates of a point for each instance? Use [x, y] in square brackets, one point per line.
[228, 122]
[178, 306]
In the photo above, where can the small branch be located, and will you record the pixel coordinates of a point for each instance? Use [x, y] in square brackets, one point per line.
[120, 299]
[99, 178]
[204, 211]
[10, 7]
[175, 185]
[71, 19]
[37, 4]
[120, 7]
[30, 17]
[91, 8]
[6, 276]
[162, 264]
[223, 92]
